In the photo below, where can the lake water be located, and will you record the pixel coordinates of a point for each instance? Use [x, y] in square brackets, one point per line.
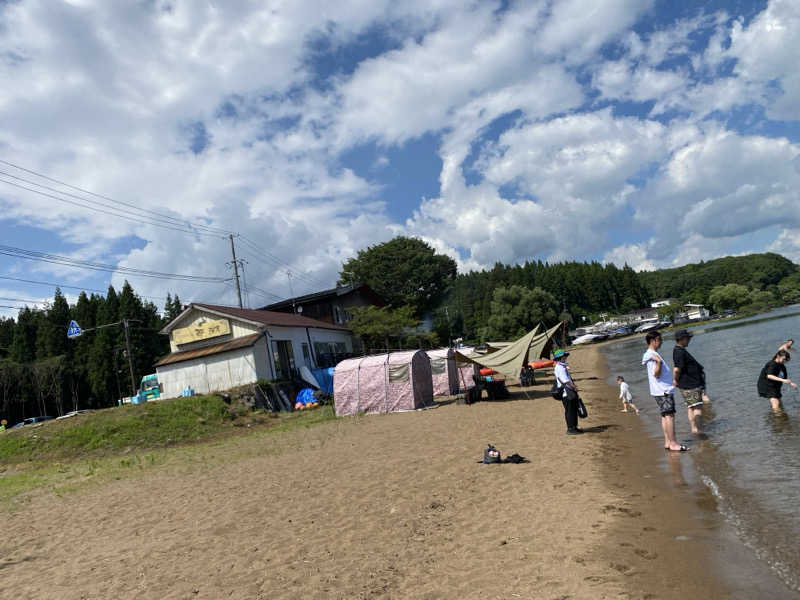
[751, 458]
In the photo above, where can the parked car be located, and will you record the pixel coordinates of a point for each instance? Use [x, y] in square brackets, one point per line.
[31, 421]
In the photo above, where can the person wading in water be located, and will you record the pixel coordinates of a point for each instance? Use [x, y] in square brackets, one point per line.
[772, 378]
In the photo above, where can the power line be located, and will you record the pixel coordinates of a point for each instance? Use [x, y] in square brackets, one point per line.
[113, 214]
[175, 220]
[85, 264]
[71, 287]
[21, 300]
[13, 307]
[276, 261]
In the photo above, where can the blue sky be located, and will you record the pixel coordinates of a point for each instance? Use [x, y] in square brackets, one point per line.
[649, 132]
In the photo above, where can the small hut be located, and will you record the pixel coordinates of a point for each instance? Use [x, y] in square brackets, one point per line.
[383, 383]
[444, 372]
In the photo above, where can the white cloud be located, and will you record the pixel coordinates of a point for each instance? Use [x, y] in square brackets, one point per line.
[634, 255]
[723, 184]
[112, 98]
[788, 244]
[767, 53]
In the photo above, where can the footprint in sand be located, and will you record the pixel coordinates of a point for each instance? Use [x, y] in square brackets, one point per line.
[645, 554]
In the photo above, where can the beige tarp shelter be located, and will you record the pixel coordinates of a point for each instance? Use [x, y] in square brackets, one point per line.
[509, 360]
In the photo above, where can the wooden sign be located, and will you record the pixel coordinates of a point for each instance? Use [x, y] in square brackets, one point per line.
[201, 331]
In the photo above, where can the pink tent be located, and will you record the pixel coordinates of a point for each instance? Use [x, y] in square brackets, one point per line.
[466, 371]
[383, 383]
[444, 372]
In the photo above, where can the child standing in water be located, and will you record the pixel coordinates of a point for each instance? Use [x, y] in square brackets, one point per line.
[625, 395]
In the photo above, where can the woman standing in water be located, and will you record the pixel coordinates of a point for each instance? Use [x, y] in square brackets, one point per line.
[772, 377]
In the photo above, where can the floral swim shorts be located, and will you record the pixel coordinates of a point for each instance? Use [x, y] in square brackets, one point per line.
[693, 397]
[666, 404]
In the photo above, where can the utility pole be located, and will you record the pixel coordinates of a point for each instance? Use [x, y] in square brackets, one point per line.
[291, 292]
[236, 271]
[449, 333]
[130, 356]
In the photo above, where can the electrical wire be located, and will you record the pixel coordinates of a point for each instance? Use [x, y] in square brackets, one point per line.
[70, 287]
[142, 216]
[21, 300]
[175, 220]
[113, 214]
[85, 264]
[276, 261]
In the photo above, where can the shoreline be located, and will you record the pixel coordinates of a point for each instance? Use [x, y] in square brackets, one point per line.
[702, 547]
[394, 506]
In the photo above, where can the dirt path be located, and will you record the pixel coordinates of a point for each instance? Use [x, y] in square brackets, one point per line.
[391, 506]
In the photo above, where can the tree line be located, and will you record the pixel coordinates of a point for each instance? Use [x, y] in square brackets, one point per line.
[42, 372]
[507, 300]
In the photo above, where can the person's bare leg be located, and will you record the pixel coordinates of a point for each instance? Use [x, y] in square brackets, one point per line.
[668, 427]
[633, 406]
[624, 406]
[695, 415]
[776, 405]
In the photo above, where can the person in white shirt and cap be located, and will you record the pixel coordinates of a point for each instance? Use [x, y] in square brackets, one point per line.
[569, 394]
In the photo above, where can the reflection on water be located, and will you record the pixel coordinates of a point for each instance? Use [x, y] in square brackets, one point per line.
[750, 459]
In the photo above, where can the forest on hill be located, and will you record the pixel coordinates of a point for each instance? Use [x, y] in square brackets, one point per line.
[749, 283]
[42, 372]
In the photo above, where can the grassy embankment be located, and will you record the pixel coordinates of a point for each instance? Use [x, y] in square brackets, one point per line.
[65, 454]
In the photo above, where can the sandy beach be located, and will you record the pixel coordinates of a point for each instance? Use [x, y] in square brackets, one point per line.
[390, 506]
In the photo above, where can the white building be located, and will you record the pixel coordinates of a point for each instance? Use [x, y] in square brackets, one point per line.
[696, 312]
[216, 348]
[664, 302]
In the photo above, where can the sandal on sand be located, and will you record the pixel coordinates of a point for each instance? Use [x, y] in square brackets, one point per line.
[682, 449]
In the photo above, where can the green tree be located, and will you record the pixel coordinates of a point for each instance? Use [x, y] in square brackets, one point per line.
[23, 345]
[403, 271]
[789, 289]
[516, 310]
[376, 327]
[728, 297]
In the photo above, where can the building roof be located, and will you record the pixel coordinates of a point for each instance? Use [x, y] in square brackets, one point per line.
[234, 344]
[330, 293]
[256, 317]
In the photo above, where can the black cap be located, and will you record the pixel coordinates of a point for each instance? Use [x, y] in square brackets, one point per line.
[682, 333]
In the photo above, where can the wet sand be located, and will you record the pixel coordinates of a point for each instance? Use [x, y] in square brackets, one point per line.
[390, 506]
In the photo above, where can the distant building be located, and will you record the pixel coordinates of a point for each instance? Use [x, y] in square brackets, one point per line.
[332, 306]
[691, 312]
[638, 315]
[664, 302]
[219, 347]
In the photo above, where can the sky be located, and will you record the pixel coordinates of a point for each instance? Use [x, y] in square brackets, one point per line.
[140, 135]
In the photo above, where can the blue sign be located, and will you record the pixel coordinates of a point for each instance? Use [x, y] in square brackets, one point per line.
[74, 330]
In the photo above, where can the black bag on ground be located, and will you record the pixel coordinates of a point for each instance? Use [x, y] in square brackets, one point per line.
[491, 455]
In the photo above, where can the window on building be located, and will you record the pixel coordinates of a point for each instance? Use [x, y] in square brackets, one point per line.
[307, 356]
[283, 357]
[337, 314]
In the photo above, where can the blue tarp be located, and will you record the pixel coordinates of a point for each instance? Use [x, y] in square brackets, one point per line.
[325, 379]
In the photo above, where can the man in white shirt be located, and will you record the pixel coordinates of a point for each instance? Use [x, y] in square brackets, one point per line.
[659, 375]
[569, 394]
